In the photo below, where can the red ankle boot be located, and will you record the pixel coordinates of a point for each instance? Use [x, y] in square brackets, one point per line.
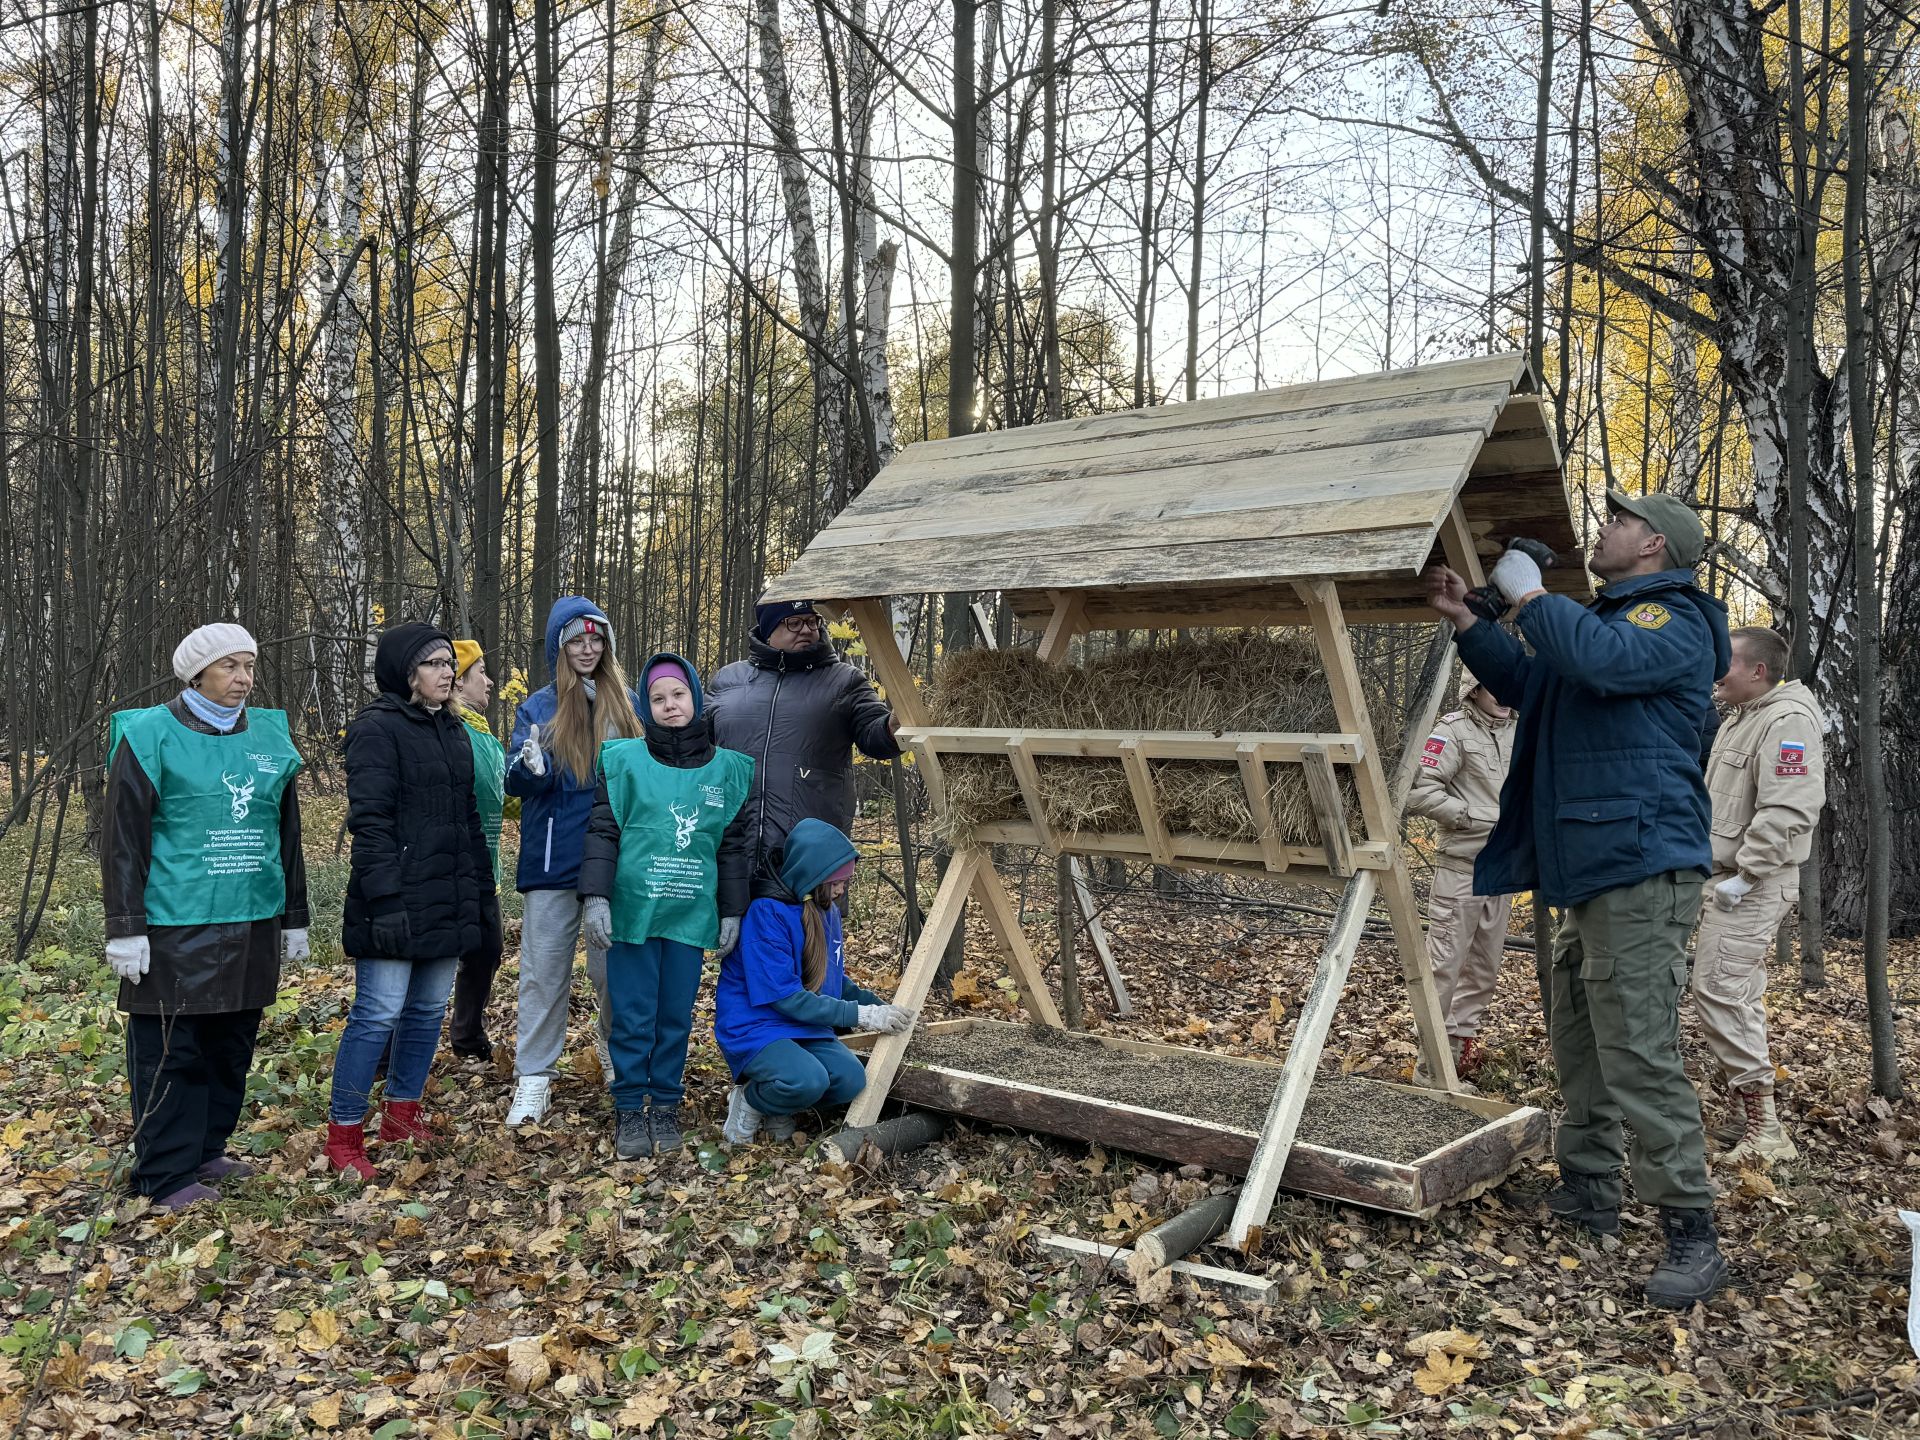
[401, 1120]
[347, 1150]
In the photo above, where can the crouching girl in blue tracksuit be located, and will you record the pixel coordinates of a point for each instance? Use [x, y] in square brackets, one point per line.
[784, 991]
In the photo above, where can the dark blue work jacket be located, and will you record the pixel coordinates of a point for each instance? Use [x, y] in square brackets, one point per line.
[1606, 787]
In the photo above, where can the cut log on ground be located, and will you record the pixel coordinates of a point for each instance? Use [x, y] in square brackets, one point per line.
[890, 1137]
[1179, 1237]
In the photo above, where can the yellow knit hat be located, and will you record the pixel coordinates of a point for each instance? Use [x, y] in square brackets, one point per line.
[465, 652]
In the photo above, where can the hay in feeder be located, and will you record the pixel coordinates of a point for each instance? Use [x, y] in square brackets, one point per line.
[1251, 681]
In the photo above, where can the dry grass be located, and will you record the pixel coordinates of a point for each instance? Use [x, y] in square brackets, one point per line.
[1250, 681]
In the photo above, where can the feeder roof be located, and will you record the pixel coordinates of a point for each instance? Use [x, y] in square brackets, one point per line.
[1202, 513]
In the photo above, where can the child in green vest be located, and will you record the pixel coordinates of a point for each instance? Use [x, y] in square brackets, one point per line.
[664, 877]
[473, 982]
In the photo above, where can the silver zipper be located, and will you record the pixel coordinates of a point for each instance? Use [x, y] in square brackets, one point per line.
[766, 750]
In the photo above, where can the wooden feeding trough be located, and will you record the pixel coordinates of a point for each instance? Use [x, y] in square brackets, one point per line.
[1314, 505]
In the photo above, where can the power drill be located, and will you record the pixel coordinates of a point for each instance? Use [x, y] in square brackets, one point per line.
[1486, 601]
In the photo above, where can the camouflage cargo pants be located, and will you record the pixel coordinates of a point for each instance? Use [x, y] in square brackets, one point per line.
[1619, 966]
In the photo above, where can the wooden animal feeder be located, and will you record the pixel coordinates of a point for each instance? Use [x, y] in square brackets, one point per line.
[1314, 505]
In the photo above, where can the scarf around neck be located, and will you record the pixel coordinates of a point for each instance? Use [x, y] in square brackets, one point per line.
[221, 717]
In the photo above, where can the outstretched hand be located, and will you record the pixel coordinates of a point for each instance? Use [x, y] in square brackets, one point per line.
[1447, 594]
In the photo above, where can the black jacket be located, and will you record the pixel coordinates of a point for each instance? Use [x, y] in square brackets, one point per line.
[798, 714]
[687, 748]
[194, 969]
[418, 846]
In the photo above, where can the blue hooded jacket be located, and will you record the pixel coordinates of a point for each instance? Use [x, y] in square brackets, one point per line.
[760, 998]
[1606, 787]
[553, 807]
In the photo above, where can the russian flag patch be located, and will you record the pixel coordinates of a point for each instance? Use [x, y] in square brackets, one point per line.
[1435, 748]
[1792, 759]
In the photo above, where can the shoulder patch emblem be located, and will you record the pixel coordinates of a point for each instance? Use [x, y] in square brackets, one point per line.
[1792, 759]
[1649, 617]
[1436, 747]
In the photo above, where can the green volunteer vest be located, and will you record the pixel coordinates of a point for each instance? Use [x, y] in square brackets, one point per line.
[489, 787]
[667, 883]
[216, 821]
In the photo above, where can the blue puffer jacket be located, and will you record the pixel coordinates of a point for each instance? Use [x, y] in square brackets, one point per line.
[553, 807]
[1606, 788]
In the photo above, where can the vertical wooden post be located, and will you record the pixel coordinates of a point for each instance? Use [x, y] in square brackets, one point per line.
[883, 648]
[1456, 543]
[1322, 599]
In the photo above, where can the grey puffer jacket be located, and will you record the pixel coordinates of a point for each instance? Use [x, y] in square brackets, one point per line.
[798, 714]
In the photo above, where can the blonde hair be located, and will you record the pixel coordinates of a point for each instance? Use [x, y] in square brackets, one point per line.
[579, 725]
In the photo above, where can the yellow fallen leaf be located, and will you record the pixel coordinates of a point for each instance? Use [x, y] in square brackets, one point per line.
[1576, 1395]
[321, 1332]
[1441, 1373]
[1458, 1343]
[642, 1412]
[527, 1367]
[1569, 1262]
[1223, 1354]
[325, 1412]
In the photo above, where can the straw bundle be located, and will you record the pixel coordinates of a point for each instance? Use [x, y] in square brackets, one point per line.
[1252, 681]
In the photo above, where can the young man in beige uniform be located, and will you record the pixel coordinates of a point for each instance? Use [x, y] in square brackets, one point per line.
[1767, 780]
[1462, 768]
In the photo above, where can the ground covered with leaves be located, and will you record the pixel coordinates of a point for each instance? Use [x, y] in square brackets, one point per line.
[532, 1286]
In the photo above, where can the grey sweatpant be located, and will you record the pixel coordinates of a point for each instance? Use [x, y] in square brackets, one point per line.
[549, 935]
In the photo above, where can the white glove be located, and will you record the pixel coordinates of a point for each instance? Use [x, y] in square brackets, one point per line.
[887, 1019]
[1515, 574]
[596, 922]
[531, 755]
[1731, 891]
[293, 945]
[129, 956]
[729, 935]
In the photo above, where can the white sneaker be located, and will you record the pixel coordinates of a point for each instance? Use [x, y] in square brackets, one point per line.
[606, 1056]
[743, 1121]
[529, 1100]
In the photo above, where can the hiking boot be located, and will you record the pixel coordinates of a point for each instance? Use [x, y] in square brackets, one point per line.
[1468, 1057]
[664, 1122]
[1735, 1130]
[1583, 1200]
[743, 1121]
[632, 1138]
[402, 1120]
[530, 1098]
[780, 1128]
[1694, 1268]
[603, 1055]
[1460, 1045]
[225, 1167]
[480, 1050]
[347, 1150]
[186, 1195]
[1765, 1140]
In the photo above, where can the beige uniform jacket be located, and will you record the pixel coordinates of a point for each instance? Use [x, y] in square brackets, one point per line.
[1458, 784]
[1767, 778]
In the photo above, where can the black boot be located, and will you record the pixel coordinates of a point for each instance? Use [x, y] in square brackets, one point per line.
[1694, 1267]
[665, 1124]
[1589, 1201]
[632, 1140]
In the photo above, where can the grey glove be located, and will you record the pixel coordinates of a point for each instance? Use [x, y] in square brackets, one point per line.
[1515, 574]
[729, 935]
[293, 945]
[887, 1019]
[531, 755]
[130, 956]
[596, 922]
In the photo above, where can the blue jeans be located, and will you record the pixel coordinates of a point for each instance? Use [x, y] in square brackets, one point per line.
[789, 1076]
[397, 1001]
[650, 989]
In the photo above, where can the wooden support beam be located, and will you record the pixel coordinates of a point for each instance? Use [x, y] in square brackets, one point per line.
[1068, 619]
[1329, 810]
[1002, 919]
[883, 649]
[1116, 1257]
[1027, 776]
[1140, 782]
[1456, 542]
[1253, 777]
[1423, 998]
[1303, 1058]
[931, 775]
[1322, 599]
[1097, 932]
[883, 1061]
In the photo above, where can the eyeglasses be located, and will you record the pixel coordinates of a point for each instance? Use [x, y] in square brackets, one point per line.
[582, 642]
[797, 623]
[439, 662]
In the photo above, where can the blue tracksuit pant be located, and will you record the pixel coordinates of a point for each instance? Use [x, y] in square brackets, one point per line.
[789, 1076]
[650, 989]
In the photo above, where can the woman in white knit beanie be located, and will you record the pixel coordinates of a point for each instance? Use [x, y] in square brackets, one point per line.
[205, 890]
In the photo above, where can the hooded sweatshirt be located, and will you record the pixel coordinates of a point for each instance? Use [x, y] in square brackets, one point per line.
[554, 807]
[760, 998]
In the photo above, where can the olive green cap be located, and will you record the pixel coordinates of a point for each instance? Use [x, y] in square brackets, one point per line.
[1675, 519]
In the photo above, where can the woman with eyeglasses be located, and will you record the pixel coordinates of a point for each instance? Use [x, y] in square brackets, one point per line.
[554, 767]
[798, 709]
[420, 890]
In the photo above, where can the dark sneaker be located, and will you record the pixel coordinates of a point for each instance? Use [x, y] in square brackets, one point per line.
[779, 1127]
[664, 1121]
[1583, 1200]
[1694, 1268]
[186, 1195]
[632, 1140]
[225, 1167]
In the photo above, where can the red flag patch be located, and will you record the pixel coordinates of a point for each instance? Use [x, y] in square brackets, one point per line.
[1792, 759]
[1436, 747]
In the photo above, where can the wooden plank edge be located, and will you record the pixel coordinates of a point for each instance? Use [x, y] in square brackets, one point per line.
[1255, 1287]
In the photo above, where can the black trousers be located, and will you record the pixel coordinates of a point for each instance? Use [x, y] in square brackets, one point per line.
[188, 1075]
[472, 989]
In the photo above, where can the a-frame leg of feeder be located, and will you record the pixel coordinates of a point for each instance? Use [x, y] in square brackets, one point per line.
[1423, 997]
[1303, 1059]
[1004, 921]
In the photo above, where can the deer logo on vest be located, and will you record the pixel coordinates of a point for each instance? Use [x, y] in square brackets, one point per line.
[242, 795]
[683, 827]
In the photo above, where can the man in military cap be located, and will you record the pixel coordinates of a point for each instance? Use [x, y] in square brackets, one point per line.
[1607, 820]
